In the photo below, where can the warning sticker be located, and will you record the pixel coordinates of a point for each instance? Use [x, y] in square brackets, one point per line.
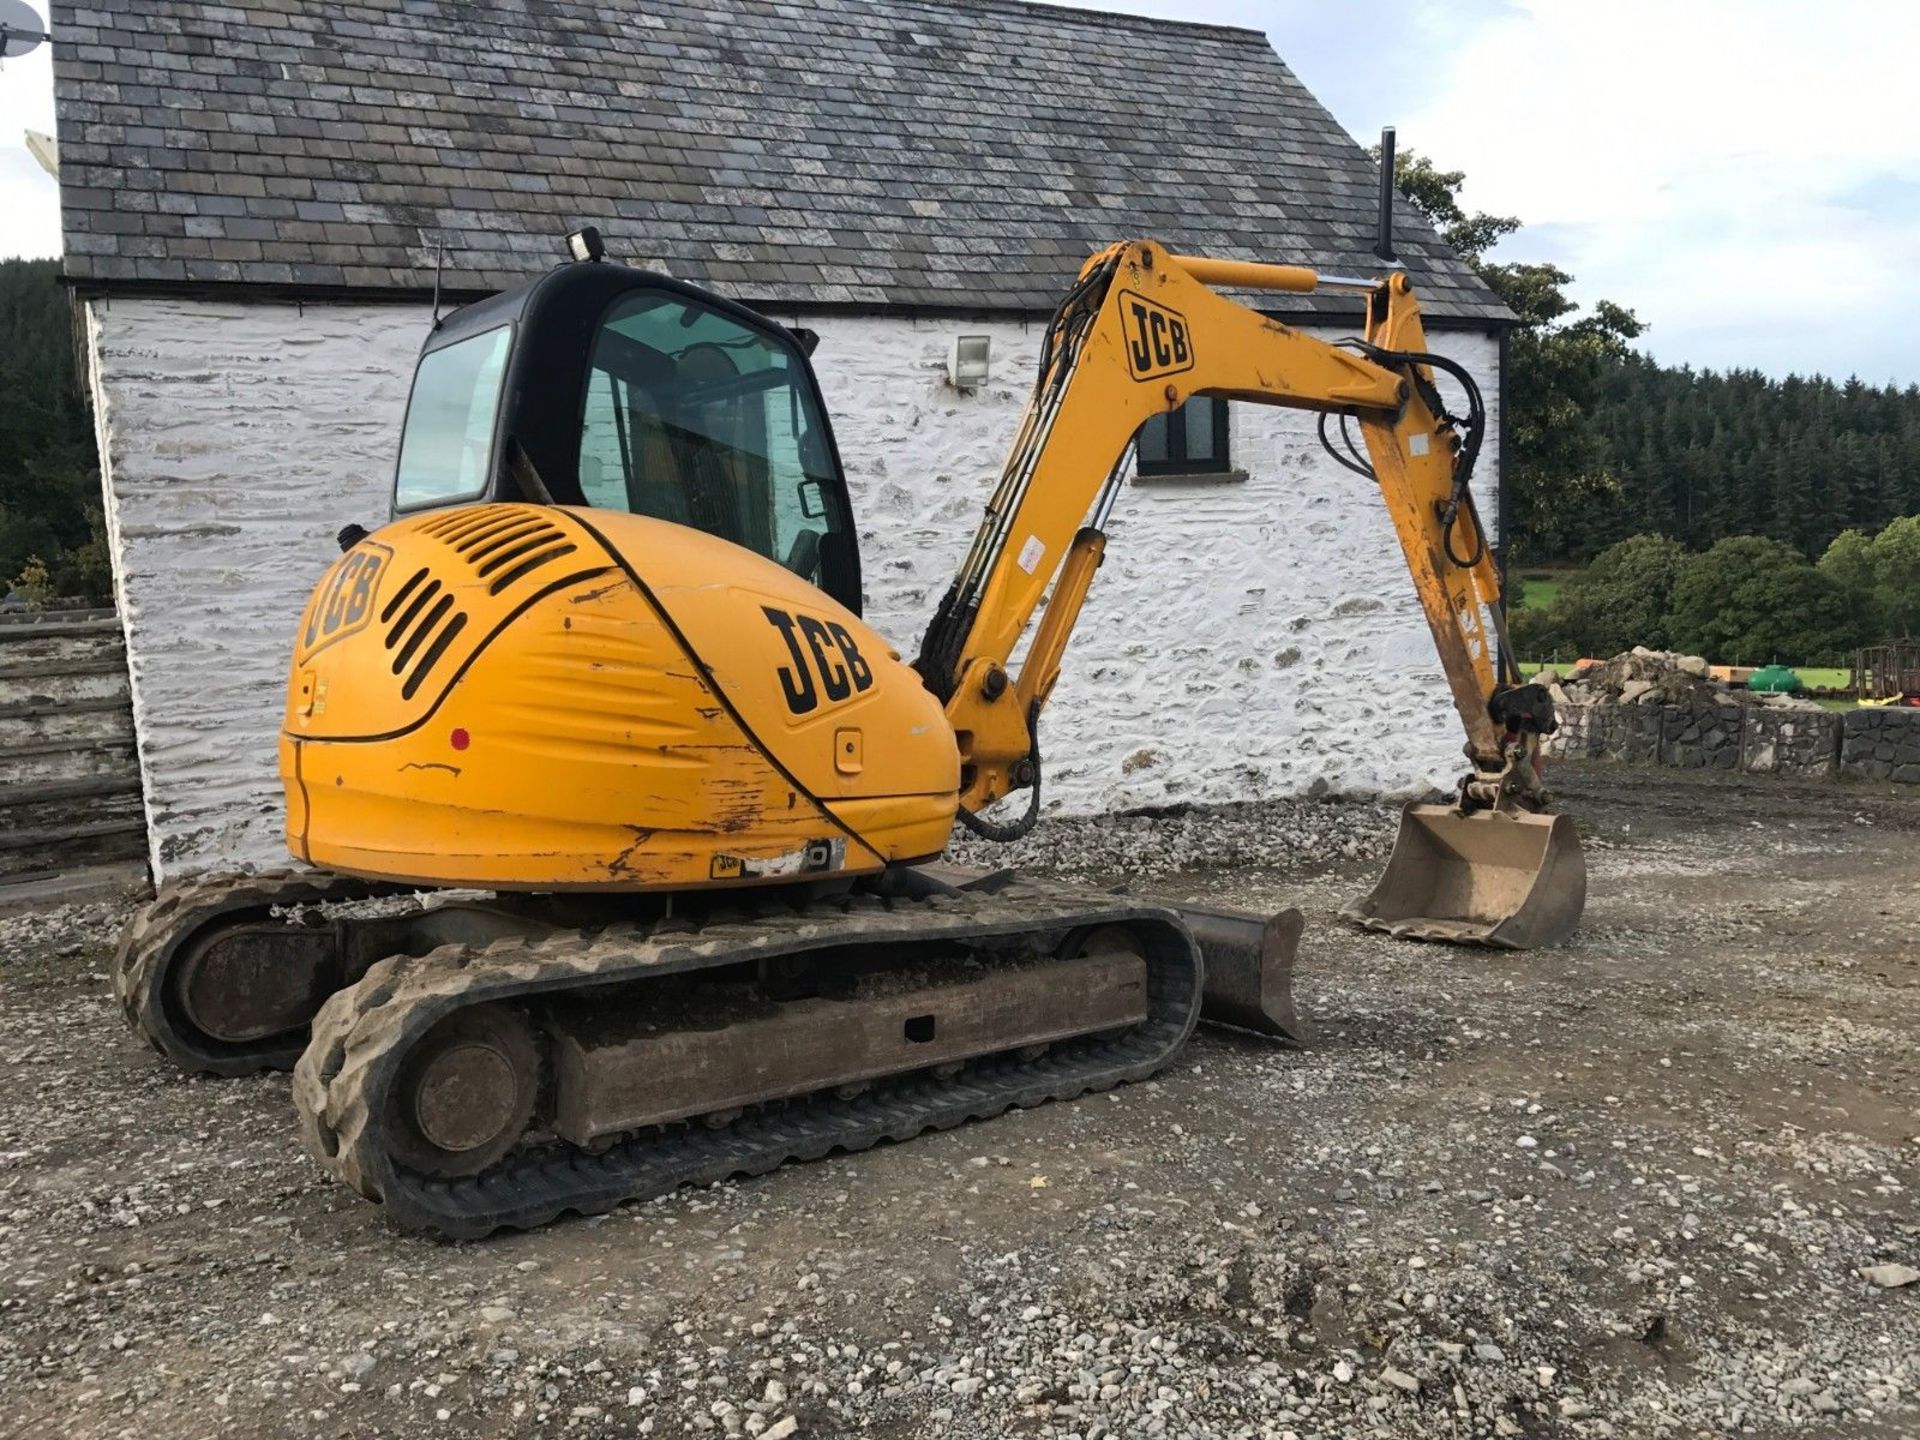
[1417, 444]
[1030, 554]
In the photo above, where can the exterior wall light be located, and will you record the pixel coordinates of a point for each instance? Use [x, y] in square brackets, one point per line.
[969, 364]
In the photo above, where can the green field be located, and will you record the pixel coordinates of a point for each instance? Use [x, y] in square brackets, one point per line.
[1830, 678]
[1540, 588]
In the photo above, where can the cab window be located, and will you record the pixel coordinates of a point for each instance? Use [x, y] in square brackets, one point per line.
[446, 446]
[693, 417]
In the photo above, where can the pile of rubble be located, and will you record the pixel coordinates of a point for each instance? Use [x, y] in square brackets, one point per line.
[1656, 677]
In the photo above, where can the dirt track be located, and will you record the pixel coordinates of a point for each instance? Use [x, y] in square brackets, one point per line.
[1617, 1189]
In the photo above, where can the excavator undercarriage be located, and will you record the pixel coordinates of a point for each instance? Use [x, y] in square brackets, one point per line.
[495, 1062]
[1019, 998]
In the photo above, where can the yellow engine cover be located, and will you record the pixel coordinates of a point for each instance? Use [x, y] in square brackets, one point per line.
[514, 696]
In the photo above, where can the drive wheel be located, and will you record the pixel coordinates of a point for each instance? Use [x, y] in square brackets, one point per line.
[466, 1094]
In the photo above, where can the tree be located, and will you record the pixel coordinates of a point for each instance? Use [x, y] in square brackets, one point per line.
[1557, 367]
[1533, 635]
[1895, 555]
[1752, 600]
[49, 480]
[1880, 577]
[1623, 598]
[1848, 563]
[1800, 459]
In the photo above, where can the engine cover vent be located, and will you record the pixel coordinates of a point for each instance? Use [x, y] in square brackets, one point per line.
[398, 619]
[502, 544]
[424, 628]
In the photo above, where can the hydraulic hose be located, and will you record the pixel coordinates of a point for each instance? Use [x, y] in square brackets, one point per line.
[1002, 834]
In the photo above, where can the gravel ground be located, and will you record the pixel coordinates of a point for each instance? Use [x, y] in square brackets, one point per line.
[1622, 1188]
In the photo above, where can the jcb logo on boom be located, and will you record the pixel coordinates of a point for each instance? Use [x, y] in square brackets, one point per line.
[1158, 342]
[821, 650]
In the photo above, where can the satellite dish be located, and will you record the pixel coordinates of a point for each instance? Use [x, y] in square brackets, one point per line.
[20, 29]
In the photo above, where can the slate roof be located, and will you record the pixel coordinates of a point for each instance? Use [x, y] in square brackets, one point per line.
[877, 152]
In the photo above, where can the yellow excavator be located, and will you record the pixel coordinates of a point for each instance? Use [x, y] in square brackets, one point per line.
[603, 687]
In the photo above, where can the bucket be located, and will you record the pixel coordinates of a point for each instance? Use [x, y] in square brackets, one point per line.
[1510, 879]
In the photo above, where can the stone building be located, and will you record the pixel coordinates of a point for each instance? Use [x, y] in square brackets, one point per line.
[260, 196]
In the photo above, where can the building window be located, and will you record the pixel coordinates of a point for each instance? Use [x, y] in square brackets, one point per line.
[1190, 441]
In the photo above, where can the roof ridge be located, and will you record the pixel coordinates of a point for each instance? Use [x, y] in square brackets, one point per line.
[1059, 7]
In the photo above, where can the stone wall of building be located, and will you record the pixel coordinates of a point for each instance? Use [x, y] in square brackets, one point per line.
[1246, 637]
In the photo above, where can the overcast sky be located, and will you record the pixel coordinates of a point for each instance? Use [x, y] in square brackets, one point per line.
[1744, 174]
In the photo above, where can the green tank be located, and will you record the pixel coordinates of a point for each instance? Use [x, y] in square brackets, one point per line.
[1776, 678]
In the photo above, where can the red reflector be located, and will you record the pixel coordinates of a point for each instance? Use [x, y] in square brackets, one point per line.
[460, 739]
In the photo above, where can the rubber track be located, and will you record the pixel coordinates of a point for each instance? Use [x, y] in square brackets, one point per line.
[161, 932]
[363, 1033]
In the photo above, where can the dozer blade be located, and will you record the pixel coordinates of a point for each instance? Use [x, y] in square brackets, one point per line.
[1249, 968]
[1509, 879]
[1247, 958]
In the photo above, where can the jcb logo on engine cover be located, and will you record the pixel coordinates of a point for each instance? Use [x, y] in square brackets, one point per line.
[822, 651]
[1158, 341]
[346, 604]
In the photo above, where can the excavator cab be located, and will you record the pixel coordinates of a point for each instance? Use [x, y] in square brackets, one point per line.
[616, 388]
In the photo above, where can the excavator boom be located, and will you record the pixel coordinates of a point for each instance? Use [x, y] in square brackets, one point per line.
[1141, 333]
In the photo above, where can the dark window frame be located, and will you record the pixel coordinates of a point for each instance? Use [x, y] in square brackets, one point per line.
[1178, 462]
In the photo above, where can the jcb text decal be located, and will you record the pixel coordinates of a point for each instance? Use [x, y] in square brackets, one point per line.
[347, 603]
[1158, 342]
[821, 650]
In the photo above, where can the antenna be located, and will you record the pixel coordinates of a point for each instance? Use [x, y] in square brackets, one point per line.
[439, 259]
[1383, 243]
[20, 29]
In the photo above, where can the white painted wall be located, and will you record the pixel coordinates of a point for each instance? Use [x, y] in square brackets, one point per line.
[235, 441]
[1242, 640]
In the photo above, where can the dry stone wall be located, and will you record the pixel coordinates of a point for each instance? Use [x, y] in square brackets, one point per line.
[1882, 744]
[1790, 742]
[1867, 743]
